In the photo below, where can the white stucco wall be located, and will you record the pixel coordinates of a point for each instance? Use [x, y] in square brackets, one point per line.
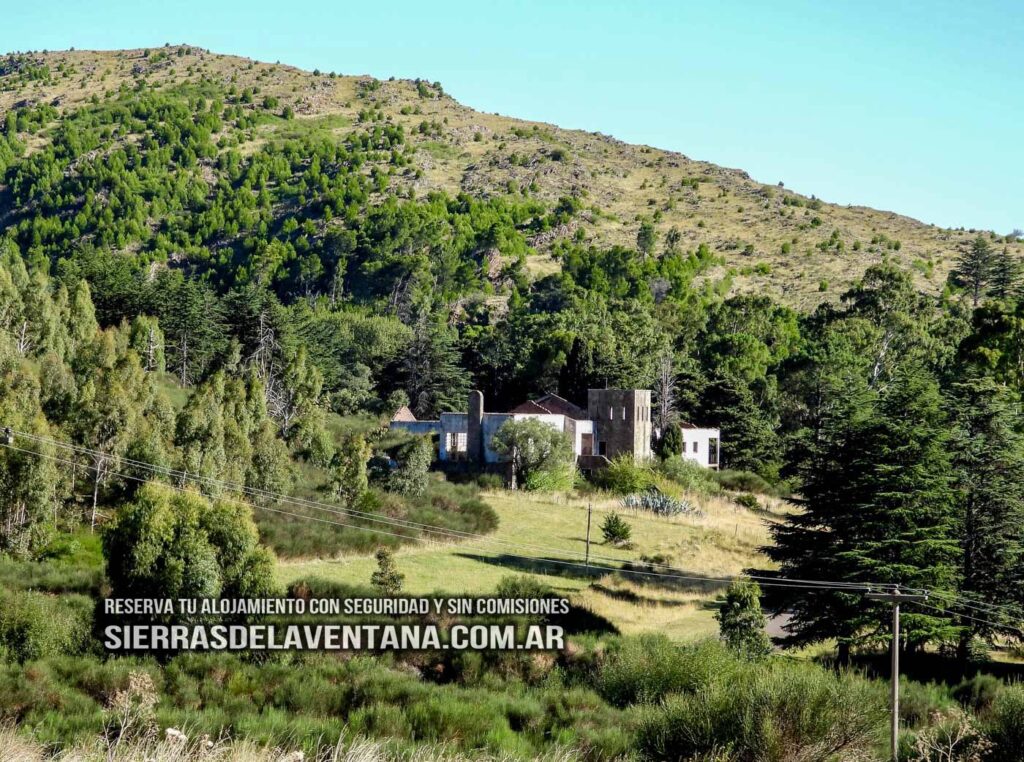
[700, 446]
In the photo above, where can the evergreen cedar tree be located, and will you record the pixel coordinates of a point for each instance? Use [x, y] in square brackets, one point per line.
[615, 529]
[303, 277]
[386, 578]
[741, 623]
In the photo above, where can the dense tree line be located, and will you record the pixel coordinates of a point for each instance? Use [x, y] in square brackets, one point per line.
[277, 280]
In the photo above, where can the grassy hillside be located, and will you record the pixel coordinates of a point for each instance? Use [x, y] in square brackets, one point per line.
[769, 239]
[723, 541]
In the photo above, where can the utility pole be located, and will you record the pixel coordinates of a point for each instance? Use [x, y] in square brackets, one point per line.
[895, 597]
[590, 509]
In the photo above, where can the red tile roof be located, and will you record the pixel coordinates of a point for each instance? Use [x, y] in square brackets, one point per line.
[551, 404]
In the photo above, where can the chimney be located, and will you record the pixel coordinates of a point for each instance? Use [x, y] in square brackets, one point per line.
[475, 428]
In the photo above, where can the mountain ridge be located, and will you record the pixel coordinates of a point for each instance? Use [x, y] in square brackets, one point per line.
[796, 248]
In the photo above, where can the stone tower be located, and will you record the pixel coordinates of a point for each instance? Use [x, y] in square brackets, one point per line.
[475, 428]
[622, 421]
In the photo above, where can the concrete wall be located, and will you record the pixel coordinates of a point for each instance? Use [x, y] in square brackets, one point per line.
[451, 425]
[474, 427]
[619, 418]
[417, 427]
[622, 421]
[491, 423]
[702, 446]
[576, 430]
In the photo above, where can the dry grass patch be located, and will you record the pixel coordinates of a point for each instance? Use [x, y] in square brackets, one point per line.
[545, 535]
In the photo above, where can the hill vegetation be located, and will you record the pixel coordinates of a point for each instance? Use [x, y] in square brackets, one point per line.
[219, 279]
[766, 238]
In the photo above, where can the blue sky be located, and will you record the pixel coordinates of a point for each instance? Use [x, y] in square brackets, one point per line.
[911, 106]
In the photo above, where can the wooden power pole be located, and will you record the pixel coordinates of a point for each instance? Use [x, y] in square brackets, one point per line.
[895, 597]
[590, 509]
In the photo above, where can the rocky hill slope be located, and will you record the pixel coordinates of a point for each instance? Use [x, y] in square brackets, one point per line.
[800, 249]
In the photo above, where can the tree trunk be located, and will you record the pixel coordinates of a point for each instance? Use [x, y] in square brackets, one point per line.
[184, 358]
[843, 654]
[96, 493]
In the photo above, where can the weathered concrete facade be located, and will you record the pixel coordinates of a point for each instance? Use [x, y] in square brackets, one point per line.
[617, 422]
[622, 422]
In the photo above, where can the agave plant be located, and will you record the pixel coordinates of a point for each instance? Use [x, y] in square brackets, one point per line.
[658, 502]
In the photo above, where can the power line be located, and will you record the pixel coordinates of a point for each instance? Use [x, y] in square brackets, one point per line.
[766, 581]
[405, 524]
[772, 581]
[966, 616]
[976, 605]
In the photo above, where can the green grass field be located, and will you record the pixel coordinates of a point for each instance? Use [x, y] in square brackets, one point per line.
[539, 533]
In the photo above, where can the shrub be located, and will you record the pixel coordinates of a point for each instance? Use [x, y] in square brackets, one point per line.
[490, 481]
[780, 711]
[920, 701]
[625, 475]
[37, 626]
[689, 475]
[978, 693]
[522, 586]
[744, 481]
[615, 529]
[647, 668]
[1004, 724]
[747, 500]
[952, 737]
[559, 477]
[168, 544]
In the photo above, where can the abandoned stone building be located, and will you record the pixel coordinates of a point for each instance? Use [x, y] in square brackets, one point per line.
[616, 422]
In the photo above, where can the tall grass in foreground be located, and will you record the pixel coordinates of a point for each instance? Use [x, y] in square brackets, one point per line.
[172, 748]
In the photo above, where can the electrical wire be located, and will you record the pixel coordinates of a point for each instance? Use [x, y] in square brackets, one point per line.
[405, 524]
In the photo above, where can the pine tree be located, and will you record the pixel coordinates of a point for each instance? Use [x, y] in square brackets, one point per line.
[974, 268]
[749, 439]
[671, 443]
[1007, 273]
[192, 319]
[741, 623]
[879, 507]
[905, 524]
[988, 463]
[646, 238]
[434, 379]
[387, 579]
[813, 543]
[615, 529]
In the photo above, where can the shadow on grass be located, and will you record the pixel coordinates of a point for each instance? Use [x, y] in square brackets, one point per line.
[631, 596]
[638, 573]
[927, 667]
